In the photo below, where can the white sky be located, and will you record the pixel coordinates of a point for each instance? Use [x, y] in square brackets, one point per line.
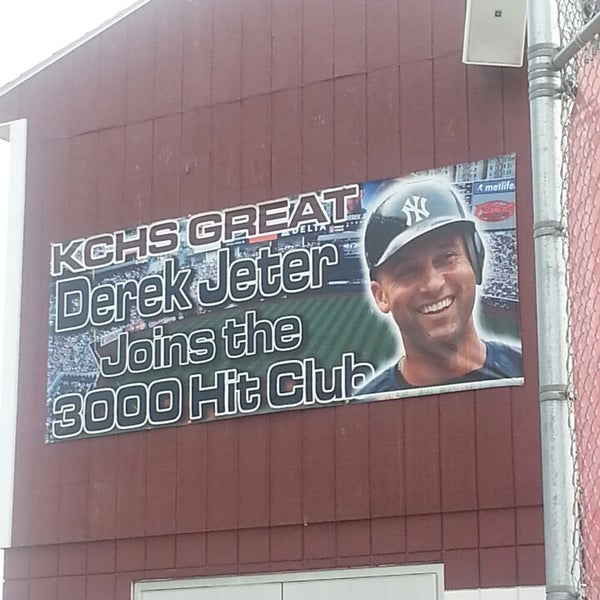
[32, 30]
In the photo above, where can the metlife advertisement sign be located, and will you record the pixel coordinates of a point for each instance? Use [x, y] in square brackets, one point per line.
[328, 297]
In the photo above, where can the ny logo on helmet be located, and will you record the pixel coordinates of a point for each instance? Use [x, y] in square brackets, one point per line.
[415, 210]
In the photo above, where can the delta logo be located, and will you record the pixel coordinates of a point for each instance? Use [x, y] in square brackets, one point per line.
[495, 210]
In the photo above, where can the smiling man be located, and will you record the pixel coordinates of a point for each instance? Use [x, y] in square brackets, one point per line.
[425, 259]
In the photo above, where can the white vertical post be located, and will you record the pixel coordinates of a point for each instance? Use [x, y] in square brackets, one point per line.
[11, 257]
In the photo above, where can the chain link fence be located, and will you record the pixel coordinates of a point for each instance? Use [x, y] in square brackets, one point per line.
[581, 213]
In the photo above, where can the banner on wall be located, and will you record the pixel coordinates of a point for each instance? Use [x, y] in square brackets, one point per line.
[367, 291]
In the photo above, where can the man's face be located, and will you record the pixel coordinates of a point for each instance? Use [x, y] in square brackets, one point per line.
[429, 288]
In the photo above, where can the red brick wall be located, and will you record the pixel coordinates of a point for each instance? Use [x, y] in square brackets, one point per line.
[194, 104]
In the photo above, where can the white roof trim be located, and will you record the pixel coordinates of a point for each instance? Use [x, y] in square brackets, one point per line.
[72, 46]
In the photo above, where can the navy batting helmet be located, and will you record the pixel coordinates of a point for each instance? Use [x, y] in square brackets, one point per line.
[411, 208]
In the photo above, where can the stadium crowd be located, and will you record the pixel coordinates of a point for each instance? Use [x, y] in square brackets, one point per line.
[501, 285]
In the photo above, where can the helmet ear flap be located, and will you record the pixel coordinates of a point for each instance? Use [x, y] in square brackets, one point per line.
[476, 252]
[475, 247]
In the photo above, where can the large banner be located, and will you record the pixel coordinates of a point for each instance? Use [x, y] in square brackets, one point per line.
[367, 291]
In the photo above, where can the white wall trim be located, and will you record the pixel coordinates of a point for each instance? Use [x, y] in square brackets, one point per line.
[167, 588]
[11, 254]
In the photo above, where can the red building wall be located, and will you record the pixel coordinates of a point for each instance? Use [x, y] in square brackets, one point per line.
[187, 105]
